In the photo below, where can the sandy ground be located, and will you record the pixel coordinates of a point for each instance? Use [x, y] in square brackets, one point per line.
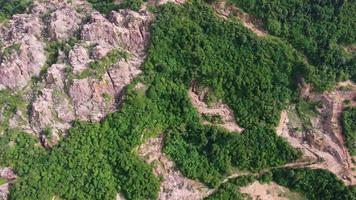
[227, 115]
[224, 10]
[324, 143]
[174, 185]
[270, 191]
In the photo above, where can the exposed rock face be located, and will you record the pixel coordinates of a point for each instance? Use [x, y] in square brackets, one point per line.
[92, 99]
[24, 55]
[133, 29]
[9, 175]
[100, 31]
[60, 96]
[79, 58]
[63, 23]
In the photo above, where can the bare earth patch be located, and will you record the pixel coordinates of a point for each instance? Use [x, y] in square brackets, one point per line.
[226, 114]
[324, 143]
[224, 10]
[270, 191]
[174, 185]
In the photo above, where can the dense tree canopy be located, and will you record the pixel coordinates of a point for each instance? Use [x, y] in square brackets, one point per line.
[314, 184]
[316, 28]
[349, 128]
[106, 6]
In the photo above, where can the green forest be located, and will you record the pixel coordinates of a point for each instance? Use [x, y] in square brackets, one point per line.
[349, 128]
[318, 29]
[256, 77]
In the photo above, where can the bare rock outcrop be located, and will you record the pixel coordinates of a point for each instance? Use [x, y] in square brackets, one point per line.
[10, 176]
[63, 23]
[100, 31]
[133, 27]
[52, 107]
[79, 58]
[123, 74]
[61, 95]
[23, 54]
[92, 99]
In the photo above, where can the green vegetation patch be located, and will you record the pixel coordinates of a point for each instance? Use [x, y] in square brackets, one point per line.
[314, 28]
[254, 76]
[349, 128]
[106, 6]
[314, 184]
[9, 104]
[230, 189]
[99, 67]
[306, 110]
[96, 161]
[214, 119]
[2, 181]
[9, 8]
[10, 50]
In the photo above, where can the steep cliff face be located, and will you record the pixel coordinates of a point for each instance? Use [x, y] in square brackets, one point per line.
[66, 62]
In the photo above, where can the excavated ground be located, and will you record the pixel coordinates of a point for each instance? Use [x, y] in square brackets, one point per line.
[324, 143]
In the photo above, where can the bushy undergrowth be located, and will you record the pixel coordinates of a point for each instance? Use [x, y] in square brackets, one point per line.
[9, 8]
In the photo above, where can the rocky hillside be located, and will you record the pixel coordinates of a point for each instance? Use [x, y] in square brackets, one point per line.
[63, 61]
[175, 99]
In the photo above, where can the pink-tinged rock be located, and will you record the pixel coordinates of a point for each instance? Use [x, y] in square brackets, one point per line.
[64, 112]
[7, 173]
[124, 73]
[4, 191]
[64, 23]
[18, 68]
[23, 25]
[100, 51]
[134, 29]
[100, 31]
[56, 76]
[92, 99]
[79, 59]
[51, 109]
[80, 93]
[41, 115]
